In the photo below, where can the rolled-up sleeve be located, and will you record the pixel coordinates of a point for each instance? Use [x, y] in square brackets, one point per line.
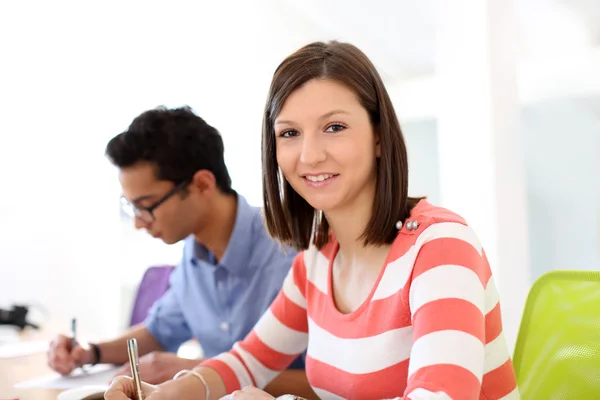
[166, 321]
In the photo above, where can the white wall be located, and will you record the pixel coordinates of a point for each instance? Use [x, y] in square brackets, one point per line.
[562, 157]
[562, 144]
[423, 162]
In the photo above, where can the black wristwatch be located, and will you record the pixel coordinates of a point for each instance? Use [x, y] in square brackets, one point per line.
[96, 350]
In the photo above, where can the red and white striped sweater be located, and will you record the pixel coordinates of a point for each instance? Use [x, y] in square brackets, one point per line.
[429, 329]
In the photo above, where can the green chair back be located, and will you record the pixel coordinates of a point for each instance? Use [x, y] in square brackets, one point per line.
[557, 354]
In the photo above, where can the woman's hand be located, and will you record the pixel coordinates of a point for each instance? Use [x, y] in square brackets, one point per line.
[248, 393]
[122, 388]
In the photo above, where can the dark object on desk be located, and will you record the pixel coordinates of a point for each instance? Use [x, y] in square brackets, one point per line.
[16, 316]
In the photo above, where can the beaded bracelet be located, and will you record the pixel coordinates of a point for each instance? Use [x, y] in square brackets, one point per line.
[197, 375]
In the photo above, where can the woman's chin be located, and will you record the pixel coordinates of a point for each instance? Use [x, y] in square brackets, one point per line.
[322, 204]
[323, 200]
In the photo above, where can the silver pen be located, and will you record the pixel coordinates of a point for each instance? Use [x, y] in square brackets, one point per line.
[134, 363]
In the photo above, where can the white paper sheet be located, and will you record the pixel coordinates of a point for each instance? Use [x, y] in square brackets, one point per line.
[96, 375]
[24, 348]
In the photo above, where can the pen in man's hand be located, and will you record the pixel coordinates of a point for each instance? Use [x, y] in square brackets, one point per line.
[74, 339]
[73, 333]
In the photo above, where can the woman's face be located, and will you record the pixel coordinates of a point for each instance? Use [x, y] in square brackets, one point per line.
[326, 147]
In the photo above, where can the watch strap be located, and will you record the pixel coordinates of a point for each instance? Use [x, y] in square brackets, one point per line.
[97, 354]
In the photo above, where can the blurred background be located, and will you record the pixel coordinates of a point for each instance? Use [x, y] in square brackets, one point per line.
[499, 103]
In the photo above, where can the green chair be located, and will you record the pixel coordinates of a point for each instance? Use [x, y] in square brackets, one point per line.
[557, 354]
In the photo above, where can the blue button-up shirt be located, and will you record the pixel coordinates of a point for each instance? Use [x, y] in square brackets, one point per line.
[219, 303]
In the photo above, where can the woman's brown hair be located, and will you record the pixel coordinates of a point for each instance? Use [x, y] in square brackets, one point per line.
[289, 218]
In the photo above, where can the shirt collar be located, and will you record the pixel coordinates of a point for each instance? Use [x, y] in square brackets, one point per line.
[237, 253]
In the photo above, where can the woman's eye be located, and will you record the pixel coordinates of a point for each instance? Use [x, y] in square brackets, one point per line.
[335, 128]
[289, 133]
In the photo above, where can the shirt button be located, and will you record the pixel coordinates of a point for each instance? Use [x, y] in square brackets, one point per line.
[224, 326]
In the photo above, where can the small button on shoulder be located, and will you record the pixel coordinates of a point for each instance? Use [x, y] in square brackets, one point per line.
[412, 225]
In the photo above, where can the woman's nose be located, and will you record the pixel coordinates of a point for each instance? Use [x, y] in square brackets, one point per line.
[313, 150]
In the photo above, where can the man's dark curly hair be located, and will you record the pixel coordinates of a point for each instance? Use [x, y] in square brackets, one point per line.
[177, 142]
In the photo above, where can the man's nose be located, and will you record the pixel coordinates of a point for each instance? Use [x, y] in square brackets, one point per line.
[140, 223]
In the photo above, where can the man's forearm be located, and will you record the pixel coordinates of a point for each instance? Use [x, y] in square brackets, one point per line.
[115, 351]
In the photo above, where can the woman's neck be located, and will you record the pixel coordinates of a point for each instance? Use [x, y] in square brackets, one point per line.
[354, 259]
[349, 224]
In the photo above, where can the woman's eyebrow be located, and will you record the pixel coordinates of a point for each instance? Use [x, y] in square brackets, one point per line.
[324, 116]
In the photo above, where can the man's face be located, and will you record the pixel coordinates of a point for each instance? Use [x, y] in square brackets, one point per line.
[172, 220]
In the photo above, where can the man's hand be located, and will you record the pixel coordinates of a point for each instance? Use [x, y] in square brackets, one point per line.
[64, 358]
[159, 366]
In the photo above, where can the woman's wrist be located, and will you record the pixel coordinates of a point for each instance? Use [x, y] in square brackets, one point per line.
[197, 375]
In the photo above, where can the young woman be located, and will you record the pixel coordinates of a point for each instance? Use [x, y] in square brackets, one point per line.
[392, 297]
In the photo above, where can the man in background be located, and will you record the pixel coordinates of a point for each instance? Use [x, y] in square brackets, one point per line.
[174, 178]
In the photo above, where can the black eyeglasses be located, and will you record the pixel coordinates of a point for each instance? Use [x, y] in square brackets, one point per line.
[146, 214]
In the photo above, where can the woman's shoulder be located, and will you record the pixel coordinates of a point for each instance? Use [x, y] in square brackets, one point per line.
[429, 213]
[428, 222]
